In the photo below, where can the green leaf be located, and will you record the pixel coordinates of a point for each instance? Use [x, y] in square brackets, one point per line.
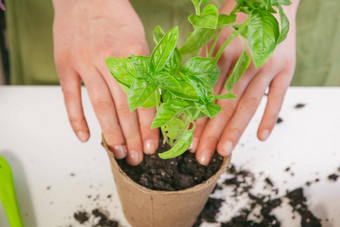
[158, 34]
[244, 31]
[210, 109]
[267, 4]
[122, 70]
[142, 65]
[164, 49]
[207, 19]
[197, 39]
[139, 92]
[281, 2]
[166, 95]
[174, 128]
[198, 85]
[263, 33]
[150, 102]
[192, 111]
[226, 20]
[174, 62]
[226, 96]
[180, 147]
[284, 25]
[165, 80]
[203, 68]
[169, 110]
[187, 91]
[241, 66]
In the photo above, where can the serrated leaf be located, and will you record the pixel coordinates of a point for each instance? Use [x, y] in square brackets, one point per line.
[226, 20]
[165, 80]
[263, 33]
[139, 92]
[180, 147]
[122, 70]
[197, 39]
[164, 49]
[142, 65]
[241, 66]
[207, 19]
[169, 110]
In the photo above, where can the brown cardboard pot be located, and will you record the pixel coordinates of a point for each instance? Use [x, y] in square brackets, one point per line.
[144, 207]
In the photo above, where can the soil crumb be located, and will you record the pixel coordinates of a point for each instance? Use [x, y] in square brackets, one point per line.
[333, 177]
[171, 174]
[279, 120]
[259, 209]
[81, 216]
[299, 105]
[95, 218]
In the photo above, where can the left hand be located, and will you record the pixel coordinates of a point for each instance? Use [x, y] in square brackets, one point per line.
[224, 131]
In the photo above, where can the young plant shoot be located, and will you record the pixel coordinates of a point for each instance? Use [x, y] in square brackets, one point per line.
[182, 91]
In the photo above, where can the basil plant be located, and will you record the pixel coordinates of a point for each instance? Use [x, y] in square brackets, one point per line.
[181, 88]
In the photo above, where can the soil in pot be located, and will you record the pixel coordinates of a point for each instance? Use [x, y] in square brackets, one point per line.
[170, 174]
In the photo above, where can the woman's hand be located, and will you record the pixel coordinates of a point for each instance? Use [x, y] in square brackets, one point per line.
[224, 131]
[86, 33]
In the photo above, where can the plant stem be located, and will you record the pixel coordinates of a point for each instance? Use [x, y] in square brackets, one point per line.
[158, 103]
[215, 41]
[233, 35]
[225, 44]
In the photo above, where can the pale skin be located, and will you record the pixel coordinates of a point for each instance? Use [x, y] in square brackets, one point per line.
[87, 32]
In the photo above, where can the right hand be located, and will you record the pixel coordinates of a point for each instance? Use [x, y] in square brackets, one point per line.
[86, 33]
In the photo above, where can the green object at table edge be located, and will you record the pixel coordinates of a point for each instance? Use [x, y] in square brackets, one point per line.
[7, 194]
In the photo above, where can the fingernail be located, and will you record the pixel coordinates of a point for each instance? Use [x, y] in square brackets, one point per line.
[82, 136]
[205, 157]
[193, 145]
[265, 134]
[149, 147]
[119, 151]
[134, 158]
[227, 149]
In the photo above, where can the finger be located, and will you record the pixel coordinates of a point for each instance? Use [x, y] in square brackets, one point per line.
[71, 86]
[128, 120]
[150, 137]
[215, 126]
[200, 124]
[104, 109]
[277, 91]
[244, 112]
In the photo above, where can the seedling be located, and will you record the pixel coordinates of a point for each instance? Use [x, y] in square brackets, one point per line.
[182, 90]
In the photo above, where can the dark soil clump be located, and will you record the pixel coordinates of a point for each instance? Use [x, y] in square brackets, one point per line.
[81, 216]
[96, 218]
[333, 177]
[170, 174]
[299, 105]
[241, 182]
[279, 120]
[210, 210]
[298, 202]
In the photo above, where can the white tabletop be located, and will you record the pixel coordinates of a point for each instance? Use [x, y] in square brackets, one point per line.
[36, 139]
